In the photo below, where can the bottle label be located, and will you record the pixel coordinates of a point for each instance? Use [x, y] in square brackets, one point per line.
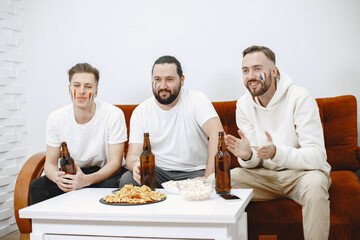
[67, 168]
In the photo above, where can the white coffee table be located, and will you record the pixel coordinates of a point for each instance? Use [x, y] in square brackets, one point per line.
[79, 215]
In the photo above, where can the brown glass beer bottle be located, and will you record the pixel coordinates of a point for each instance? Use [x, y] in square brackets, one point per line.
[67, 164]
[222, 167]
[147, 164]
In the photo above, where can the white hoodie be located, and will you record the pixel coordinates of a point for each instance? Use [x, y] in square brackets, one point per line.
[293, 121]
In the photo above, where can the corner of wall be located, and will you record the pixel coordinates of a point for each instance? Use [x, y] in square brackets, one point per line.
[12, 112]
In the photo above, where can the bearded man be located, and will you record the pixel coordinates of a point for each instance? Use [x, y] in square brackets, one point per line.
[281, 145]
[182, 124]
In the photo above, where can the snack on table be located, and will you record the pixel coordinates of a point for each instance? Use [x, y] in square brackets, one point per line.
[196, 189]
[171, 186]
[134, 195]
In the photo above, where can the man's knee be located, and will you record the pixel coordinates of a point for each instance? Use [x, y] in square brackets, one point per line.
[127, 178]
[315, 179]
[315, 185]
[111, 182]
[38, 190]
[33, 184]
[239, 175]
[32, 191]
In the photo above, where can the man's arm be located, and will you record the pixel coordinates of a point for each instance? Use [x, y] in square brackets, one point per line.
[240, 147]
[247, 143]
[113, 165]
[133, 160]
[212, 127]
[115, 144]
[51, 168]
[312, 153]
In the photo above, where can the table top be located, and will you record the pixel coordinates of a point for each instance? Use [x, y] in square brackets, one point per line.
[84, 204]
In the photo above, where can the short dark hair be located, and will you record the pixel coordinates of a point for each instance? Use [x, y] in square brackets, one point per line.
[169, 59]
[84, 68]
[268, 53]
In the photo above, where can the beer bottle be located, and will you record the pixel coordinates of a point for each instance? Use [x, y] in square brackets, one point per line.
[222, 167]
[147, 164]
[67, 164]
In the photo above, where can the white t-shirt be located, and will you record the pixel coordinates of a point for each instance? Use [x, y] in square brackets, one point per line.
[176, 136]
[87, 143]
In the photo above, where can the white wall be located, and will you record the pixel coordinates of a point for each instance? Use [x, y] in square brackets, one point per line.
[316, 42]
[13, 142]
[12, 108]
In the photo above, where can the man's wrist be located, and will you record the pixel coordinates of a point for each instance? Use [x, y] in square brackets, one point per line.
[135, 164]
[251, 154]
[274, 152]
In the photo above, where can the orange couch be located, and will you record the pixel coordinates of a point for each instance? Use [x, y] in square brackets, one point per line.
[281, 217]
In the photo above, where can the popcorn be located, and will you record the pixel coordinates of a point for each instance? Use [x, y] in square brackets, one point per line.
[195, 189]
[171, 186]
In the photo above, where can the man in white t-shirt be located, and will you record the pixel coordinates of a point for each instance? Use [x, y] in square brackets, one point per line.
[95, 133]
[182, 124]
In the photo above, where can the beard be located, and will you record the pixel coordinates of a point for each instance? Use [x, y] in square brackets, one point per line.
[265, 85]
[167, 100]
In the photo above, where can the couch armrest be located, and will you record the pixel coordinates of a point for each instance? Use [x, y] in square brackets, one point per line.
[32, 169]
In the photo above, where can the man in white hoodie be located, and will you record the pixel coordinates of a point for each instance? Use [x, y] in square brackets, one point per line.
[281, 145]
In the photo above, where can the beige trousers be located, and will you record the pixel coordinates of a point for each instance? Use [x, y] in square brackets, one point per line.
[307, 188]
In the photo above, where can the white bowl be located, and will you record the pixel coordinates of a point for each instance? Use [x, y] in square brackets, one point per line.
[171, 187]
[196, 190]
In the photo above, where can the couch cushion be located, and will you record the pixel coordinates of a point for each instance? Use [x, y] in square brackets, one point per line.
[275, 216]
[226, 112]
[340, 138]
[127, 109]
[339, 119]
[344, 198]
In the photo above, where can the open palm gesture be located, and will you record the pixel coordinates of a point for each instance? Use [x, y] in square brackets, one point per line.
[240, 147]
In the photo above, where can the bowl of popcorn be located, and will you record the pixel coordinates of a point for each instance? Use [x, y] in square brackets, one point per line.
[196, 190]
[171, 187]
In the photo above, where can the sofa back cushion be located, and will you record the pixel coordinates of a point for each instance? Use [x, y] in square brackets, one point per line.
[338, 116]
[339, 120]
[226, 112]
[127, 109]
